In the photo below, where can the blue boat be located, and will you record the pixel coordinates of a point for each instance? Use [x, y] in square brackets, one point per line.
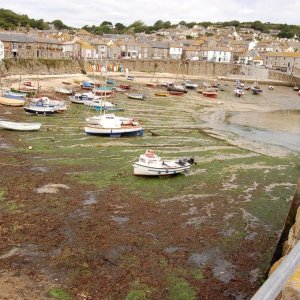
[110, 81]
[87, 85]
[13, 95]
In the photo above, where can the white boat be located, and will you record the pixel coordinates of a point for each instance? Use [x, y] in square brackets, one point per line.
[58, 105]
[20, 126]
[81, 98]
[238, 92]
[150, 164]
[189, 85]
[112, 126]
[63, 91]
[136, 96]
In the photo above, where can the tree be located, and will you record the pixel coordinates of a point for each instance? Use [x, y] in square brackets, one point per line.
[120, 27]
[58, 24]
[158, 25]
[106, 23]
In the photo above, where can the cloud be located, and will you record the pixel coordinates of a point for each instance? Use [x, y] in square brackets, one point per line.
[78, 13]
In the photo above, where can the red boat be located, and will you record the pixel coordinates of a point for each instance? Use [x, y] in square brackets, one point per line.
[150, 84]
[176, 93]
[210, 94]
[125, 86]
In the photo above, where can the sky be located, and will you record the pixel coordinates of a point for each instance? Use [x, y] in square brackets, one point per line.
[77, 13]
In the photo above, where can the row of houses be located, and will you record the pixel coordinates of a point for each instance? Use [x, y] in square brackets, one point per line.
[83, 45]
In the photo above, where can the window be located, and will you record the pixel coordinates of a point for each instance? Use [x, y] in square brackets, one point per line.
[28, 47]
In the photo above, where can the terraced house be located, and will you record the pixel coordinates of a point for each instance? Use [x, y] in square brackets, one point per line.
[283, 61]
[20, 45]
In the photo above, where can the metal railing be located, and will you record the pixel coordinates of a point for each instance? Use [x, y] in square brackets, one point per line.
[277, 280]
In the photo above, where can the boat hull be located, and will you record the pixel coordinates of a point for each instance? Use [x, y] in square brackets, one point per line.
[39, 111]
[142, 170]
[114, 132]
[19, 126]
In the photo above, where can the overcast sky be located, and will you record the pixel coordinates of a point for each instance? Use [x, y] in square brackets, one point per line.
[78, 13]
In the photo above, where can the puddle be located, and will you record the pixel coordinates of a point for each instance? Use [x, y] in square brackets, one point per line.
[39, 169]
[119, 220]
[200, 259]
[51, 188]
[91, 198]
[170, 250]
[223, 270]
[279, 128]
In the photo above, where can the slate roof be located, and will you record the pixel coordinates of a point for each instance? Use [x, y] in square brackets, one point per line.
[16, 37]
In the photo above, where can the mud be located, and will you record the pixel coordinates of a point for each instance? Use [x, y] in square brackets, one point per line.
[74, 219]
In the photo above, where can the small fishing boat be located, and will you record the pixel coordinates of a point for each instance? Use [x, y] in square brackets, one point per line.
[176, 93]
[119, 90]
[296, 88]
[271, 87]
[176, 88]
[39, 109]
[150, 164]
[190, 85]
[130, 77]
[161, 94]
[151, 84]
[238, 92]
[67, 82]
[125, 86]
[112, 126]
[81, 98]
[256, 90]
[136, 96]
[58, 106]
[211, 93]
[63, 91]
[11, 101]
[103, 91]
[110, 81]
[19, 126]
[87, 85]
[12, 95]
[29, 93]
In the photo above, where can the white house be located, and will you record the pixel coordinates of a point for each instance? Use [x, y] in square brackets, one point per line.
[1, 51]
[175, 51]
[217, 55]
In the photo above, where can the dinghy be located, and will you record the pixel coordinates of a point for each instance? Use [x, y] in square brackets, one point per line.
[19, 126]
[150, 164]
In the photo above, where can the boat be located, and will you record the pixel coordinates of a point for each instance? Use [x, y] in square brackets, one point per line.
[189, 85]
[125, 86]
[63, 91]
[81, 98]
[11, 101]
[296, 88]
[176, 88]
[39, 109]
[29, 93]
[256, 90]
[167, 83]
[112, 126]
[176, 93]
[130, 77]
[210, 94]
[58, 105]
[271, 87]
[161, 94]
[238, 92]
[78, 81]
[151, 84]
[103, 91]
[119, 90]
[67, 82]
[136, 96]
[19, 126]
[12, 95]
[110, 81]
[150, 164]
[86, 85]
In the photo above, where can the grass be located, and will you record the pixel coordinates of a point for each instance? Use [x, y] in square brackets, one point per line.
[58, 293]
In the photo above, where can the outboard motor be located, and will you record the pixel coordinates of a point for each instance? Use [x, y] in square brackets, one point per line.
[191, 161]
